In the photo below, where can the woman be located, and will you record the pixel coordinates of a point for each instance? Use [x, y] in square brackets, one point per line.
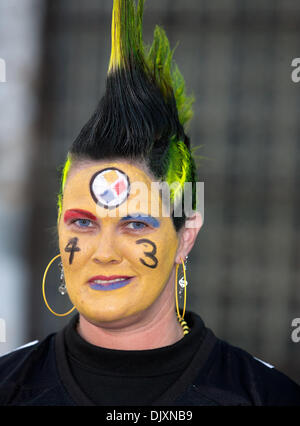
[120, 250]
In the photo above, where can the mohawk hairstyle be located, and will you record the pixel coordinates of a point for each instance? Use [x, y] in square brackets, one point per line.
[144, 110]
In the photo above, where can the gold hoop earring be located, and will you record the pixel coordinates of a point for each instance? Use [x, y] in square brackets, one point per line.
[181, 317]
[43, 290]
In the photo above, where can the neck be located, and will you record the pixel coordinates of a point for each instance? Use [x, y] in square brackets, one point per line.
[155, 328]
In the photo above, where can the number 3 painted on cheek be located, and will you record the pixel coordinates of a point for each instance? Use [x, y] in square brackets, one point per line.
[149, 254]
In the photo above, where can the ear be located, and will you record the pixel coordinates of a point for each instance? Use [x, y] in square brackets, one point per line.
[188, 235]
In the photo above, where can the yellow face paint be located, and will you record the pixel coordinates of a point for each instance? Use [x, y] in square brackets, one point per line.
[117, 257]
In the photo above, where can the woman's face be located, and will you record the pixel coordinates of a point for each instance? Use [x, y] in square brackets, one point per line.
[117, 256]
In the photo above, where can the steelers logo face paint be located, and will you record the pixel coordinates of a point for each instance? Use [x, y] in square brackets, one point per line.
[110, 187]
[115, 265]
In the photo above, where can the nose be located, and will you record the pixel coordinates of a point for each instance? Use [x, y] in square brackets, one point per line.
[106, 251]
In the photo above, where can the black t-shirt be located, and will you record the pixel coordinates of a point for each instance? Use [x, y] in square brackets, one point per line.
[198, 370]
[124, 377]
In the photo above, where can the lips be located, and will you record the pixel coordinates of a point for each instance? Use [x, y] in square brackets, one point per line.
[104, 282]
[107, 279]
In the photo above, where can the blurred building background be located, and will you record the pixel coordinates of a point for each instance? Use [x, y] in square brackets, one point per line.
[236, 58]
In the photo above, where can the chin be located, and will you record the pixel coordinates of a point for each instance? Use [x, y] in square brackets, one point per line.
[112, 318]
[97, 315]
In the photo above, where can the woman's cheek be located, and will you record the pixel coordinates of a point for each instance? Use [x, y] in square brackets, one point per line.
[75, 251]
[150, 256]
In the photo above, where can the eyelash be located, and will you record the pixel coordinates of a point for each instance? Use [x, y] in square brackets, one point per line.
[77, 220]
[128, 223]
[140, 223]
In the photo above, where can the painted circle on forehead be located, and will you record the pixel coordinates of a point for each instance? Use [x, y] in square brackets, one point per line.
[110, 187]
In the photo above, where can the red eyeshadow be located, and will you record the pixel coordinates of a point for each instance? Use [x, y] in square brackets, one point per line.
[78, 214]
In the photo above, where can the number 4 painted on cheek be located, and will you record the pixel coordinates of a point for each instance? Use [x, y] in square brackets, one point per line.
[71, 247]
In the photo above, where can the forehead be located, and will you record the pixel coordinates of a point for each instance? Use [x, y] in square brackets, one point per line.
[111, 186]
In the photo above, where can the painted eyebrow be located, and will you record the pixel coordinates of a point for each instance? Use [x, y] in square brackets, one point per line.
[74, 213]
[146, 218]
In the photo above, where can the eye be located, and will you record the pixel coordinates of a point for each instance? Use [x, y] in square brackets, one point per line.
[137, 225]
[82, 223]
